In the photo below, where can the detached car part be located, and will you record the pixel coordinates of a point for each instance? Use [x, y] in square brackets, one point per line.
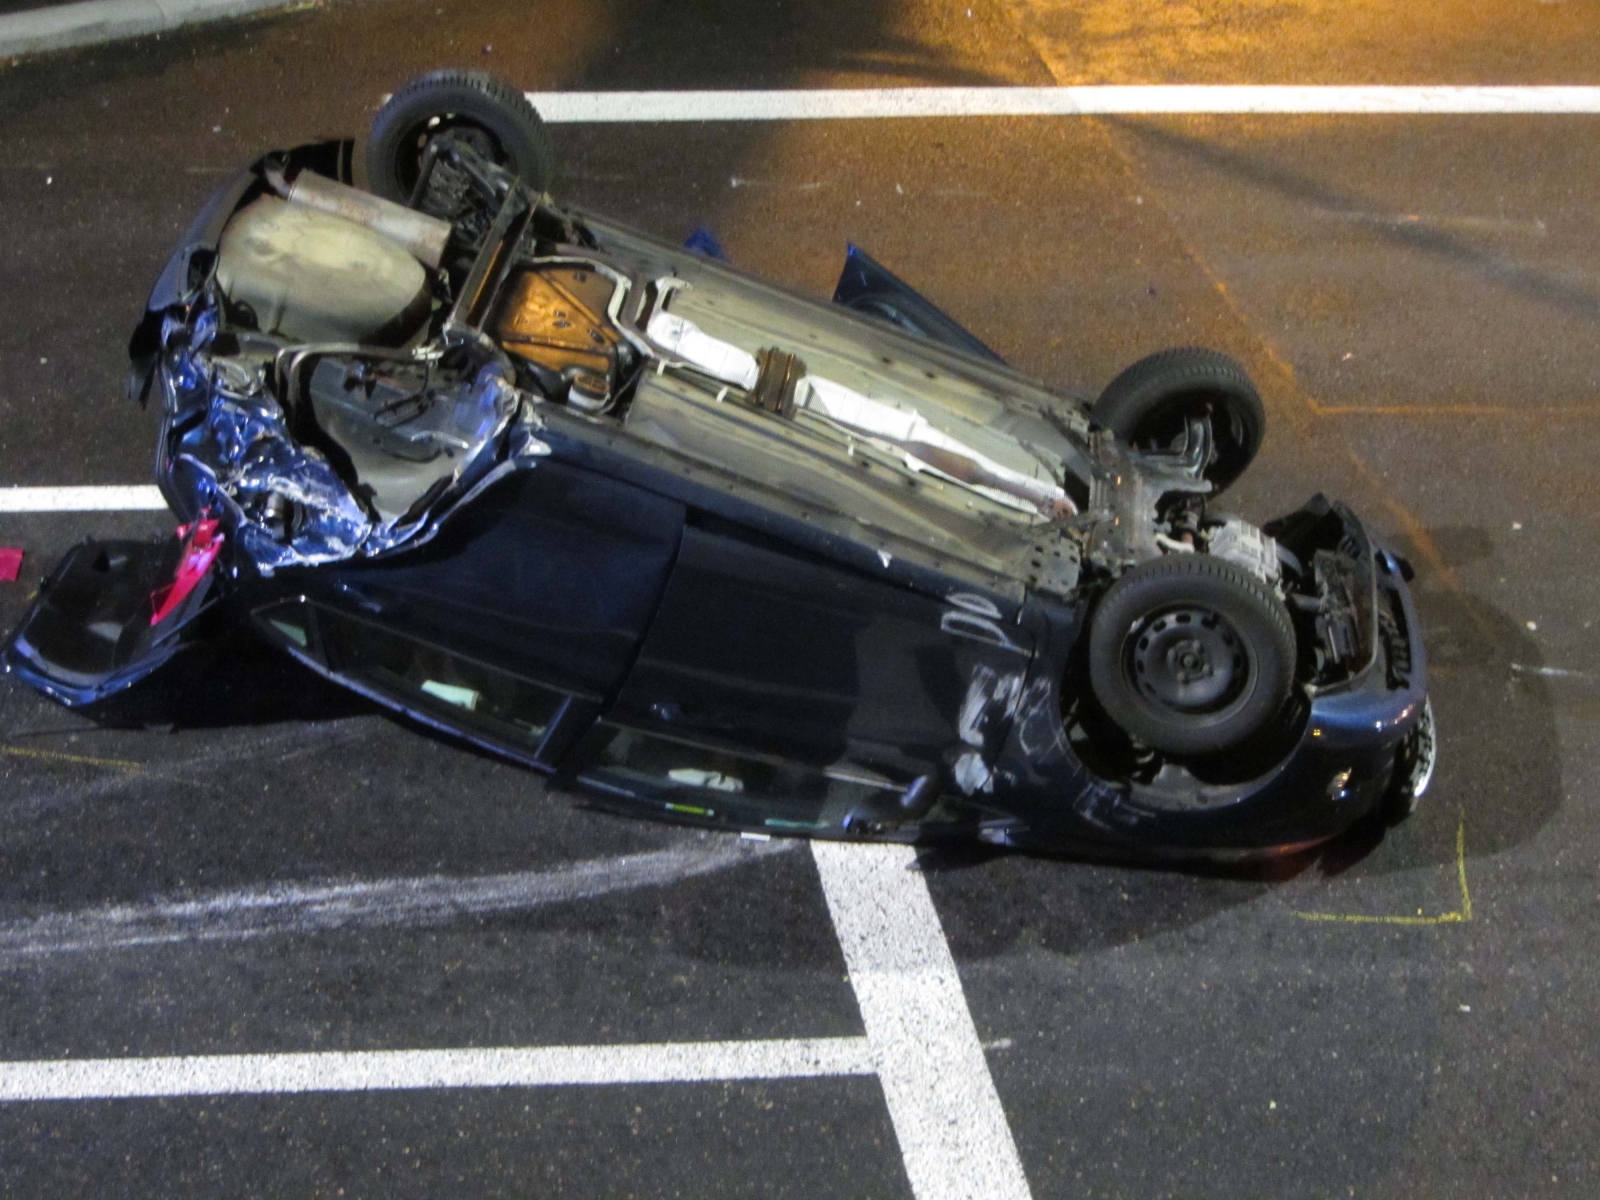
[712, 551]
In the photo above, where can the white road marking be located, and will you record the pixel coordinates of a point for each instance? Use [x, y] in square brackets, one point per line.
[392, 1070]
[947, 1116]
[799, 104]
[108, 498]
[318, 907]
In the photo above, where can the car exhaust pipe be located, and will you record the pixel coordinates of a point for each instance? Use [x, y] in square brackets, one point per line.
[424, 237]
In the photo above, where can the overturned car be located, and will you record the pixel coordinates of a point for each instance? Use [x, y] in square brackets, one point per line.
[708, 550]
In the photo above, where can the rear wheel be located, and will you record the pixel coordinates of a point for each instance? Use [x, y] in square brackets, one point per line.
[1152, 403]
[473, 107]
[1190, 654]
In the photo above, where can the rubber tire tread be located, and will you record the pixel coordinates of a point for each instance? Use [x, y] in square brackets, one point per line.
[1146, 385]
[1176, 579]
[499, 106]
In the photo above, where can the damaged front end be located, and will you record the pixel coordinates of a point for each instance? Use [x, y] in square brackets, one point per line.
[317, 405]
[1355, 737]
[324, 452]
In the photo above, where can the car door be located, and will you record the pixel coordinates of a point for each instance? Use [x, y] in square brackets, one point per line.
[515, 624]
[765, 668]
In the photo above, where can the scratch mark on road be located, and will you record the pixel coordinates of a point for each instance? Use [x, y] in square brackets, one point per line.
[1549, 672]
[1535, 227]
[329, 905]
[735, 181]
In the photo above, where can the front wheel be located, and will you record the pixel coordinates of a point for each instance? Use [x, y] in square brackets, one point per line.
[1190, 654]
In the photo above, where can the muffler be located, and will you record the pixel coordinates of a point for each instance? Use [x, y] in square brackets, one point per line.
[424, 237]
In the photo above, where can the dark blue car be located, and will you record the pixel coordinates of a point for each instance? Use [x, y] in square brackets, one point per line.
[714, 552]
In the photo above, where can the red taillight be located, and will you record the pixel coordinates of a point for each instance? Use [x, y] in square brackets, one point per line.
[200, 550]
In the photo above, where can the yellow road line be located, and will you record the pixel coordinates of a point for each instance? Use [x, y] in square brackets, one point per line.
[121, 764]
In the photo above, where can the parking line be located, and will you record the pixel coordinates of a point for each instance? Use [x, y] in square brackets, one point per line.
[800, 104]
[920, 1041]
[947, 1116]
[106, 498]
[399, 1070]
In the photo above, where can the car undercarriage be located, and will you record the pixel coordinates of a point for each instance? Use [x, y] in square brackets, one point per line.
[343, 376]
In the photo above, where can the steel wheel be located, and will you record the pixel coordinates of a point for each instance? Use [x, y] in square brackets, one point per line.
[1190, 654]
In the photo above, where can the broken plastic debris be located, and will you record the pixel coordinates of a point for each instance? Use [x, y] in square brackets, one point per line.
[715, 780]
[690, 809]
[10, 563]
[291, 631]
[702, 241]
[450, 693]
[1516, 525]
[1532, 624]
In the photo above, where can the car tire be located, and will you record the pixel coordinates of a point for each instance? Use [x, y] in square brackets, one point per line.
[1148, 404]
[1191, 655]
[489, 112]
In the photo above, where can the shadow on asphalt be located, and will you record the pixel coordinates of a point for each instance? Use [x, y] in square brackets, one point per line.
[234, 679]
[1370, 214]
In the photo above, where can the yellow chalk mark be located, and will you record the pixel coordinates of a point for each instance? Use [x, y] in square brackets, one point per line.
[1461, 915]
[120, 764]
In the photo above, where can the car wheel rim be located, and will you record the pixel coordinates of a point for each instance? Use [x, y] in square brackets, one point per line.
[1165, 431]
[446, 127]
[1189, 661]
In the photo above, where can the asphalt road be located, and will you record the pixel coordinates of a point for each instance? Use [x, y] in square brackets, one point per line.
[1419, 300]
